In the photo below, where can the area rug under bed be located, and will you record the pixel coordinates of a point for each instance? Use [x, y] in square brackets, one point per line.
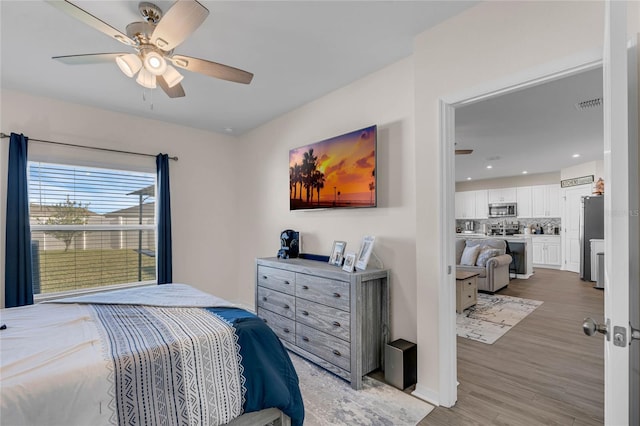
[493, 316]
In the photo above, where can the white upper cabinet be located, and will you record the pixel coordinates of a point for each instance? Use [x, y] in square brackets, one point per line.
[553, 199]
[460, 200]
[523, 200]
[471, 205]
[502, 195]
[545, 200]
[482, 204]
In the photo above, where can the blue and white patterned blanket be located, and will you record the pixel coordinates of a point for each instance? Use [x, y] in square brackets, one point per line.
[172, 366]
[185, 357]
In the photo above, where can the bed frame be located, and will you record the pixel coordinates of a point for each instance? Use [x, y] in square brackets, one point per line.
[269, 416]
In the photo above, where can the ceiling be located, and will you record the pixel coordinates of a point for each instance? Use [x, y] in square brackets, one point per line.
[298, 51]
[537, 130]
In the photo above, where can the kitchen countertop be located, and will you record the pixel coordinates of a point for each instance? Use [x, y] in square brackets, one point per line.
[506, 237]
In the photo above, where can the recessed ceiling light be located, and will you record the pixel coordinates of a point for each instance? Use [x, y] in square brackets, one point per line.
[576, 155]
[489, 166]
[524, 172]
[468, 178]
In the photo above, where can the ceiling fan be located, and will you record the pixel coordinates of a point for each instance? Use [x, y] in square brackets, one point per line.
[154, 40]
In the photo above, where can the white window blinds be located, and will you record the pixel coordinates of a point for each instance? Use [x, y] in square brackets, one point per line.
[90, 227]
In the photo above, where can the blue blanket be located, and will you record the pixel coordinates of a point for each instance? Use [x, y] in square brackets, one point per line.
[271, 380]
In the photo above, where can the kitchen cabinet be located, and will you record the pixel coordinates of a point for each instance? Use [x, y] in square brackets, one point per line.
[523, 199]
[502, 195]
[545, 200]
[546, 251]
[482, 204]
[471, 204]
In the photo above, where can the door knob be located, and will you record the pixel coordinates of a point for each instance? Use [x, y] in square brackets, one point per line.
[590, 327]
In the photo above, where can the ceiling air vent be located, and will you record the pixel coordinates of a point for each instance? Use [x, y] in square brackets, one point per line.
[591, 103]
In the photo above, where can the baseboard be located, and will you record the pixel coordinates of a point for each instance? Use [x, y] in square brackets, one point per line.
[426, 394]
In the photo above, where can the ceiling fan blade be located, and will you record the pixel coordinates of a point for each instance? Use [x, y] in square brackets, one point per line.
[212, 69]
[87, 18]
[173, 92]
[90, 58]
[178, 23]
[463, 151]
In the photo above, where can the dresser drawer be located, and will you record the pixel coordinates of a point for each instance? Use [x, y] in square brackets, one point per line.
[284, 328]
[324, 318]
[323, 290]
[277, 279]
[274, 301]
[327, 347]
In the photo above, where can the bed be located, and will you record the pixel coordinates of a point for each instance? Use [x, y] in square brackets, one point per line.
[165, 355]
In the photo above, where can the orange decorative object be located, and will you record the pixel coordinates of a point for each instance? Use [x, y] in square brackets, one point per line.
[599, 187]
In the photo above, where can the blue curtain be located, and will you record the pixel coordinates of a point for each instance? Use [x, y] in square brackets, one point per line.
[18, 275]
[164, 220]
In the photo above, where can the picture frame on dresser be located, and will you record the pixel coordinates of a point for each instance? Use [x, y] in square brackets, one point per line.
[349, 261]
[366, 248]
[337, 253]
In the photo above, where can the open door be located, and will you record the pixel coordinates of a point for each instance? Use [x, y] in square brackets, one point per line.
[620, 78]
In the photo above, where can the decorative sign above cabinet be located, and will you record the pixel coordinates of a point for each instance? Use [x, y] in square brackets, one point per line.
[576, 181]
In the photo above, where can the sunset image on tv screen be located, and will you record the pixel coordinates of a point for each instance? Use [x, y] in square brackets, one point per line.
[337, 172]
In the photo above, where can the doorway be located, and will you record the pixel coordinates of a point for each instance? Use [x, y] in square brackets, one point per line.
[552, 72]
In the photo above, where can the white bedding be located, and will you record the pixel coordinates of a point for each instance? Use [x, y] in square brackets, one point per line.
[58, 374]
[53, 367]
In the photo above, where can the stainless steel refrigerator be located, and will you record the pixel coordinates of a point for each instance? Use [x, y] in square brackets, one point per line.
[591, 227]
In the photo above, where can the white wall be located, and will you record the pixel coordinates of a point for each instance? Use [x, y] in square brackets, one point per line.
[202, 188]
[510, 182]
[473, 49]
[384, 98]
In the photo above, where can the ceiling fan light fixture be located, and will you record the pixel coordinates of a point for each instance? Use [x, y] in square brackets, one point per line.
[155, 63]
[172, 76]
[129, 64]
[146, 79]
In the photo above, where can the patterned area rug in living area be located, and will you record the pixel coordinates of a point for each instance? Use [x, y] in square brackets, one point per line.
[329, 400]
[493, 316]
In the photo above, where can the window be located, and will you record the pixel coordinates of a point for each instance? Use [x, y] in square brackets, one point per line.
[90, 227]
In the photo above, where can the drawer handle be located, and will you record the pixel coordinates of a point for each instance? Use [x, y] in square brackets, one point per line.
[287, 282]
[336, 324]
[305, 313]
[286, 330]
[336, 294]
[264, 277]
[264, 298]
[469, 296]
[336, 352]
[304, 287]
[286, 306]
[305, 338]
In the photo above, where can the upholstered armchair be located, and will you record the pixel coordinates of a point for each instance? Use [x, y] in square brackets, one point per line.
[490, 261]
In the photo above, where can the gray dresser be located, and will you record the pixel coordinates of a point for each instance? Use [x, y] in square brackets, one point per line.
[336, 319]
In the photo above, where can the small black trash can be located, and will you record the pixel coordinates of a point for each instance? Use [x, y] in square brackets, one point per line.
[401, 363]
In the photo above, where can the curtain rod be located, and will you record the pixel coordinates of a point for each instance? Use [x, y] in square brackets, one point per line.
[4, 135]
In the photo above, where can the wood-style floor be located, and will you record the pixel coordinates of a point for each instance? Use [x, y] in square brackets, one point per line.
[544, 371]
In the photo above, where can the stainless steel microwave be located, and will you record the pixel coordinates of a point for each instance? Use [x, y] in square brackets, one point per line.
[502, 210]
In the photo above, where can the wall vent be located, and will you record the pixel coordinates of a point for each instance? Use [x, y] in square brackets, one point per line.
[591, 103]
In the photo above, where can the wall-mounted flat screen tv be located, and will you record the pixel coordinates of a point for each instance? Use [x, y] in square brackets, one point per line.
[335, 173]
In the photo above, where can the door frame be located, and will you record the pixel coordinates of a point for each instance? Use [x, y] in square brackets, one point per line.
[545, 73]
